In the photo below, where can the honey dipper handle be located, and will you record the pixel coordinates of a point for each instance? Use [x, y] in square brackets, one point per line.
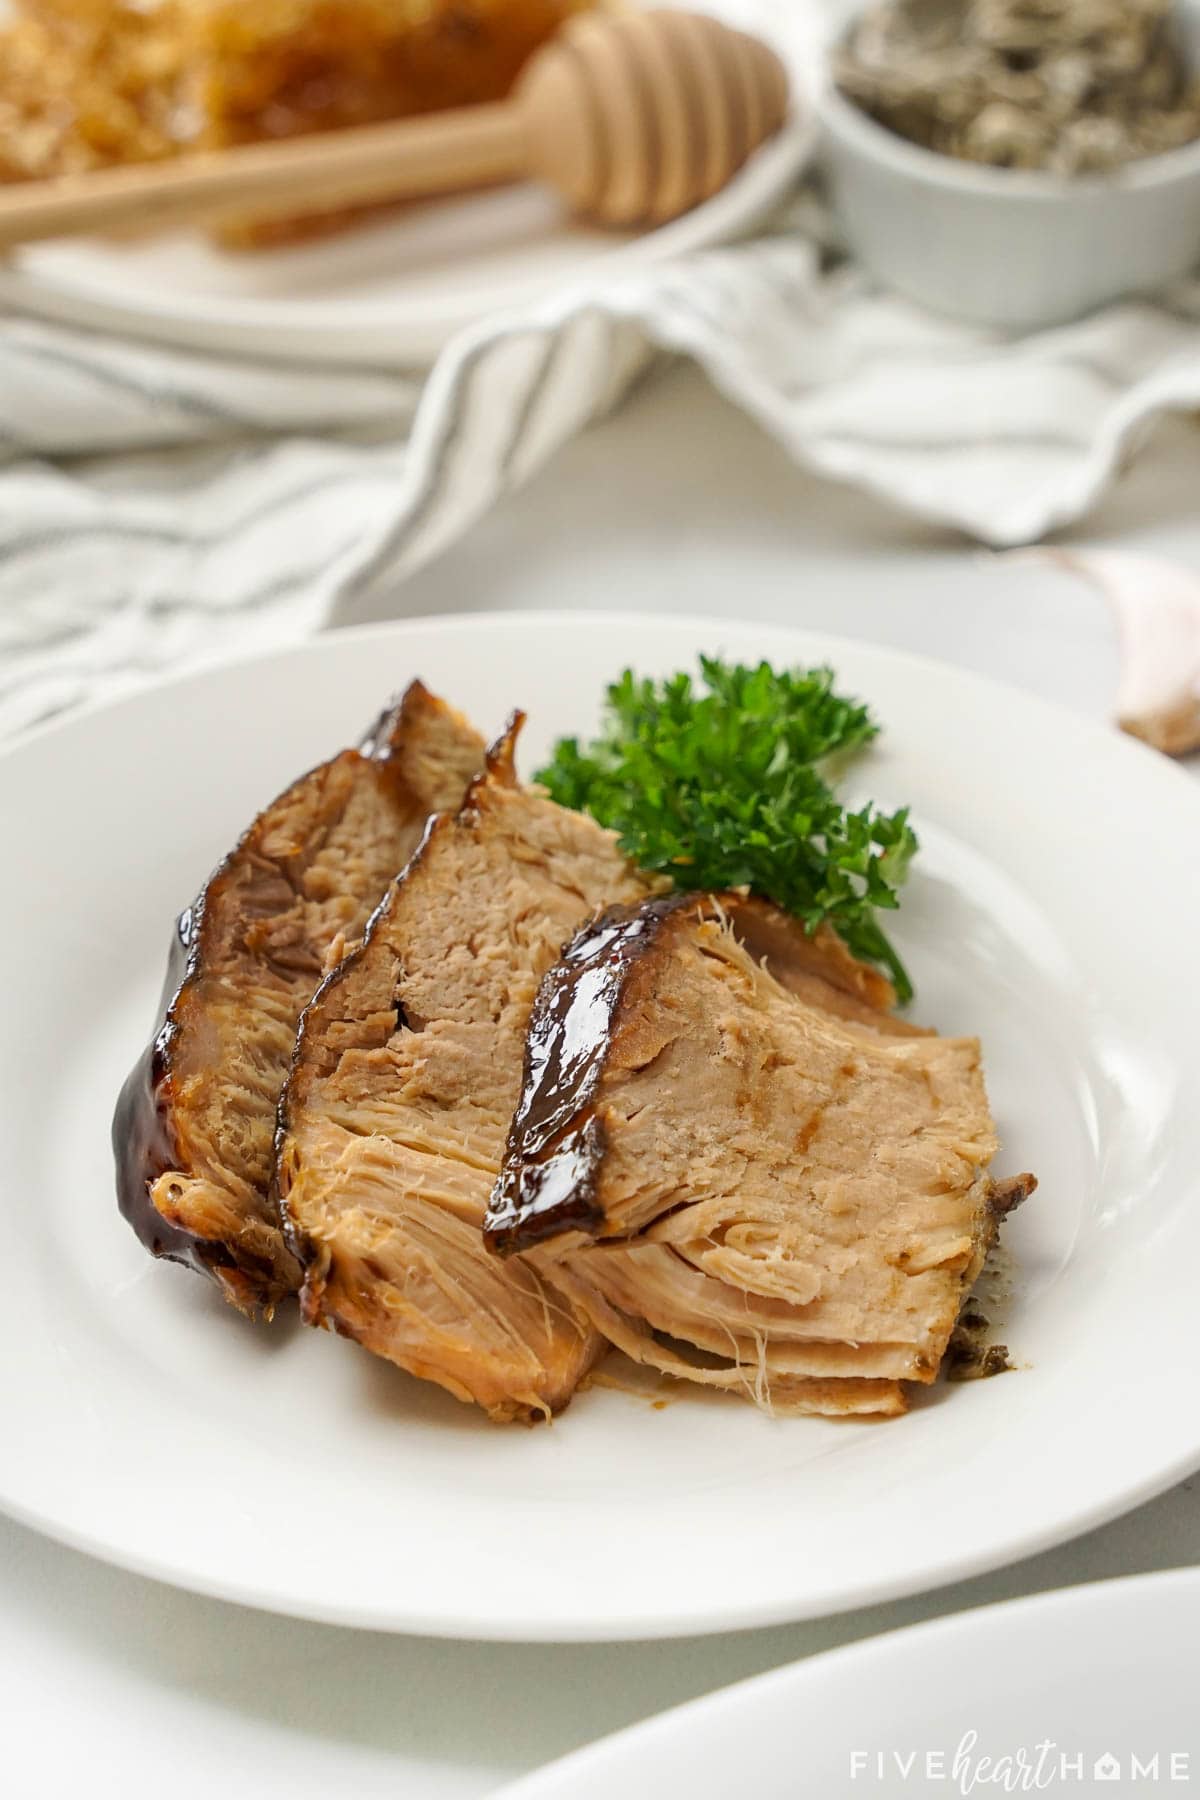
[404, 159]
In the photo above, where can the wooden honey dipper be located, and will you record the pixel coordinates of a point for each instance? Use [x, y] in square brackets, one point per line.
[632, 117]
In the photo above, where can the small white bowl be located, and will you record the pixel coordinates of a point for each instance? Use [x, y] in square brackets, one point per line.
[1009, 248]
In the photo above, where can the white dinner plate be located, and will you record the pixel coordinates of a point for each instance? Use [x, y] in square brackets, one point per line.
[1044, 1695]
[1052, 910]
[391, 292]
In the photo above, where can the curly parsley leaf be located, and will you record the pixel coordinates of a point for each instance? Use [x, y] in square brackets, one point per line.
[728, 784]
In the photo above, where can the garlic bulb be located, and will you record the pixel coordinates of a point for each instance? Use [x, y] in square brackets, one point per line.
[1157, 608]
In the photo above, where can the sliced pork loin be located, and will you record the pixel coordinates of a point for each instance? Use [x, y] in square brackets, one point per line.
[783, 1193]
[407, 1068]
[817, 968]
[194, 1127]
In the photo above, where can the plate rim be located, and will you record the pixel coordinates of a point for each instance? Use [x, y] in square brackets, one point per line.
[206, 667]
[455, 1621]
[408, 334]
[1074, 1596]
[455, 1627]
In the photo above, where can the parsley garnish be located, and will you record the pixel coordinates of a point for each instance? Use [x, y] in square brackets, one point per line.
[730, 787]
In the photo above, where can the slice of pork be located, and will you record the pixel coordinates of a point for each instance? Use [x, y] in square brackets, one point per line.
[742, 1185]
[407, 1069]
[194, 1127]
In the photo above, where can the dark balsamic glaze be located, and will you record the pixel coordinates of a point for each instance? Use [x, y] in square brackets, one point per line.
[547, 1182]
[556, 1140]
[143, 1134]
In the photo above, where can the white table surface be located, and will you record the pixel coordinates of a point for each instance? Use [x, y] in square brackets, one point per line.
[114, 1685]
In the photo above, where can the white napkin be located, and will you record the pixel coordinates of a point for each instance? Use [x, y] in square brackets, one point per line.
[156, 504]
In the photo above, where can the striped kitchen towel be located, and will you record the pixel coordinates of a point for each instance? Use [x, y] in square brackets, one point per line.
[156, 504]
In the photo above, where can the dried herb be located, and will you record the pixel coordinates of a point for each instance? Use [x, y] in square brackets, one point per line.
[1069, 86]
